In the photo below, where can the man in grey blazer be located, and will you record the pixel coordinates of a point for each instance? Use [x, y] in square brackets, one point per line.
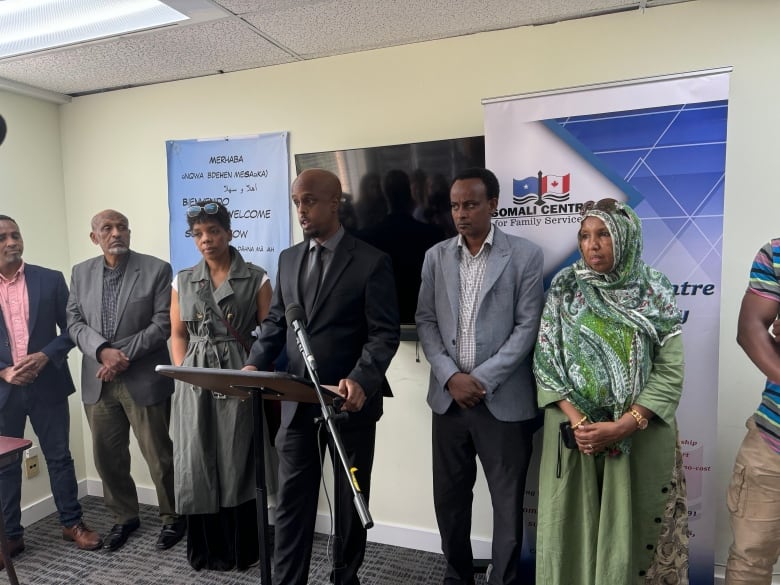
[477, 318]
[119, 317]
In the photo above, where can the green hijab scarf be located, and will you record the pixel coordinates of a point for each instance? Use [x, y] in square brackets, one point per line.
[598, 331]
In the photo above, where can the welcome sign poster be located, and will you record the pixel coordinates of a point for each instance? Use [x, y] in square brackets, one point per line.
[250, 176]
[659, 145]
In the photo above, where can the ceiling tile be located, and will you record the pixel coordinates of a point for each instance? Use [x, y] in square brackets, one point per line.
[264, 6]
[271, 32]
[177, 52]
[314, 29]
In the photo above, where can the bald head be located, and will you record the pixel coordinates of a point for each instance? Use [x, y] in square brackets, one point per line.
[321, 180]
[107, 214]
[111, 231]
[316, 195]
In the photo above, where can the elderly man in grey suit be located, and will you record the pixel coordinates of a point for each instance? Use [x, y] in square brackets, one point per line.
[119, 317]
[477, 317]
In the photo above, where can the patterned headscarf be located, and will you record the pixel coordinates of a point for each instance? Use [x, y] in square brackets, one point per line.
[598, 331]
[633, 293]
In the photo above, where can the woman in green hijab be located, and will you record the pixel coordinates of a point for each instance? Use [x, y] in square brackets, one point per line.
[609, 368]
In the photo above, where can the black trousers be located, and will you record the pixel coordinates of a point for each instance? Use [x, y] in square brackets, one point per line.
[299, 486]
[504, 450]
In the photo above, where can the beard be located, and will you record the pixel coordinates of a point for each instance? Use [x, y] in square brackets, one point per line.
[312, 232]
[118, 249]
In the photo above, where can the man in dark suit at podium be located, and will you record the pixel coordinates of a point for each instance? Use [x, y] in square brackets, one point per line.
[347, 290]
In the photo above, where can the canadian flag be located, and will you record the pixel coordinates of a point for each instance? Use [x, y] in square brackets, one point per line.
[555, 184]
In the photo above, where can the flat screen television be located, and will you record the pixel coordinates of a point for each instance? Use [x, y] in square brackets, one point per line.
[397, 198]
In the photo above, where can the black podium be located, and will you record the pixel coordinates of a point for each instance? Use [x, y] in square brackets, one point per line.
[259, 386]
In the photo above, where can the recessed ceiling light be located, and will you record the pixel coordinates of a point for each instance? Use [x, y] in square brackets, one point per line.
[27, 26]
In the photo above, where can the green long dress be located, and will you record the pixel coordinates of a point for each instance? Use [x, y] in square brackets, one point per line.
[616, 519]
[608, 340]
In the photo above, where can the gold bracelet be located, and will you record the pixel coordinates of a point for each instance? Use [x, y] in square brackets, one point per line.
[578, 424]
[641, 421]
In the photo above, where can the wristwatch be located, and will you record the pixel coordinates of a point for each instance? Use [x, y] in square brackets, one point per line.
[641, 421]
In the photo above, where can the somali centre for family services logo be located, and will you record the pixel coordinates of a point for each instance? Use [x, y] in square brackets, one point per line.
[540, 199]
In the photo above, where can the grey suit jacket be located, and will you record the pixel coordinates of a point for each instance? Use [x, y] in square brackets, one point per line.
[143, 325]
[507, 321]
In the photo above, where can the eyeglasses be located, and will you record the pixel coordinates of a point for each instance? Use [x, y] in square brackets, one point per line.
[608, 204]
[208, 209]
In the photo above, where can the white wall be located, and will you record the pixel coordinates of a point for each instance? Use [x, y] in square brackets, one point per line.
[113, 155]
[31, 191]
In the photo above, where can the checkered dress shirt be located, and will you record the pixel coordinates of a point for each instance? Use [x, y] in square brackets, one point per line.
[472, 273]
[112, 281]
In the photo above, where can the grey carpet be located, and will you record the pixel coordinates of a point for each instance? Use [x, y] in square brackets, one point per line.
[49, 560]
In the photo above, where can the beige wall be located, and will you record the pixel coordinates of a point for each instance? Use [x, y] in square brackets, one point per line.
[113, 153]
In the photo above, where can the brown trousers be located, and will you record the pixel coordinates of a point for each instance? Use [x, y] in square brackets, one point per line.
[110, 420]
[754, 504]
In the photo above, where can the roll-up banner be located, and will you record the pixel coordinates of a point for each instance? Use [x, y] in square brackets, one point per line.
[660, 145]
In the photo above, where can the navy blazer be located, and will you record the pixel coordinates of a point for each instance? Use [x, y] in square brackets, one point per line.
[48, 297]
[354, 325]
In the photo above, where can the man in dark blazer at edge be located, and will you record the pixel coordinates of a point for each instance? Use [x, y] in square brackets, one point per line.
[35, 382]
[354, 328]
[119, 317]
[477, 317]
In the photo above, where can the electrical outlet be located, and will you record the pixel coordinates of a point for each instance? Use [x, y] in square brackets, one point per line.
[31, 468]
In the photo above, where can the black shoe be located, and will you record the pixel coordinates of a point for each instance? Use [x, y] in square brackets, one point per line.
[171, 534]
[119, 533]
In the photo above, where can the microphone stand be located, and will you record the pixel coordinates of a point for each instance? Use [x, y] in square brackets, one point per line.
[330, 418]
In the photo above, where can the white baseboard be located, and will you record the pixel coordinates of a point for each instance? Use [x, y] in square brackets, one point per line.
[31, 513]
[720, 576]
[408, 537]
[392, 534]
[146, 495]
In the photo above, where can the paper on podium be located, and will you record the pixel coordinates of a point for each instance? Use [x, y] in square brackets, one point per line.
[242, 383]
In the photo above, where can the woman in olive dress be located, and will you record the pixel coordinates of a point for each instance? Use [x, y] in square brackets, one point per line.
[609, 363]
[215, 307]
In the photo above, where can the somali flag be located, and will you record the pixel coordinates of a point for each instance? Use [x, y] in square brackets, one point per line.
[527, 186]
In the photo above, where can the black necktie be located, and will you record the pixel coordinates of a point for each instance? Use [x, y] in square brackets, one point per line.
[313, 280]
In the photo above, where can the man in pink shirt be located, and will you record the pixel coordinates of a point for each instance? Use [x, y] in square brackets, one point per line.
[35, 382]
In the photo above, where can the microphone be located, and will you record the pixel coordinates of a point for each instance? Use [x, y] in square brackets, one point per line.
[296, 318]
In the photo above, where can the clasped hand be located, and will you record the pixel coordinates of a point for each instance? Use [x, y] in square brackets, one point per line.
[594, 438]
[113, 362]
[26, 371]
[465, 389]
